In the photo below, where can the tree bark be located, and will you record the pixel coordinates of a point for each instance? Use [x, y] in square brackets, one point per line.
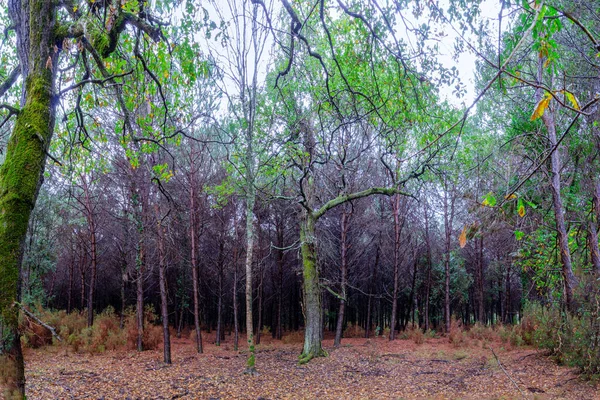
[21, 173]
[480, 282]
[194, 262]
[162, 281]
[313, 315]
[220, 262]
[345, 223]
[429, 267]
[397, 232]
[569, 279]
[91, 221]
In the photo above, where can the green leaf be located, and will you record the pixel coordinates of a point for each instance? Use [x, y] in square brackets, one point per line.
[521, 208]
[489, 200]
[519, 235]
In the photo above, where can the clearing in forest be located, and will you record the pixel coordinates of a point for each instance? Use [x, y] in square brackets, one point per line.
[360, 369]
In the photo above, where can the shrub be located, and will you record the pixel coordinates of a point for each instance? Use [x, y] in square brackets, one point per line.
[571, 339]
[152, 335]
[413, 333]
[293, 337]
[354, 331]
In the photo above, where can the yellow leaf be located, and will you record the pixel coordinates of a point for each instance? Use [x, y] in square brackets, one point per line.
[512, 196]
[462, 239]
[521, 211]
[541, 106]
[571, 97]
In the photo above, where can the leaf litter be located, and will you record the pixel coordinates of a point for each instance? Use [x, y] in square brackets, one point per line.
[359, 369]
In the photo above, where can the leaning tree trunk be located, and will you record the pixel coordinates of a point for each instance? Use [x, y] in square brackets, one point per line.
[21, 173]
[569, 279]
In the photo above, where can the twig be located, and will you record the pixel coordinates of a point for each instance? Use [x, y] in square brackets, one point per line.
[39, 321]
[506, 373]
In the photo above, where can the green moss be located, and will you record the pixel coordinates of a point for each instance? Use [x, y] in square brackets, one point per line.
[60, 31]
[20, 177]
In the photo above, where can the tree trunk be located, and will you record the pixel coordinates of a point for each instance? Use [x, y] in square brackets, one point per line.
[71, 273]
[507, 297]
[448, 217]
[429, 267]
[139, 208]
[195, 272]
[91, 220]
[123, 280]
[280, 263]
[569, 280]
[344, 276]
[480, 282]
[313, 316]
[250, 199]
[397, 229]
[220, 262]
[413, 298]
[236, 328]
[162, 281]
[21, 173]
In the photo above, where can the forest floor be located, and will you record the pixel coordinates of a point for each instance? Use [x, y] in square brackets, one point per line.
[360, 369]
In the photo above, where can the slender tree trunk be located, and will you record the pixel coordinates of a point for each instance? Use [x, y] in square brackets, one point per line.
[82, 262]
[280, 263]
[162, 281]
[91, 220]
[194, 261]
[70, 289]
[220, 262]
[397, 229]
[413, 298]
[123, 280]
[344, 276]
[507, 297]
[236, 328]
[139, 206]
[480, 282]
[429, 265]
[250, 199]
[448, 217]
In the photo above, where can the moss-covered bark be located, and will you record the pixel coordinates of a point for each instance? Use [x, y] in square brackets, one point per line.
[313, 316]
[22, 173]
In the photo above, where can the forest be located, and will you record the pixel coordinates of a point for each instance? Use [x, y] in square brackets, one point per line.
[299, 199]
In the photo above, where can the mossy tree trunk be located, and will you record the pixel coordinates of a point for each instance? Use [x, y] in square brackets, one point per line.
[313, 316]
[21, 173]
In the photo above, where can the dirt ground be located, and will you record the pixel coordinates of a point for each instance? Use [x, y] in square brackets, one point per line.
[360, 369]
